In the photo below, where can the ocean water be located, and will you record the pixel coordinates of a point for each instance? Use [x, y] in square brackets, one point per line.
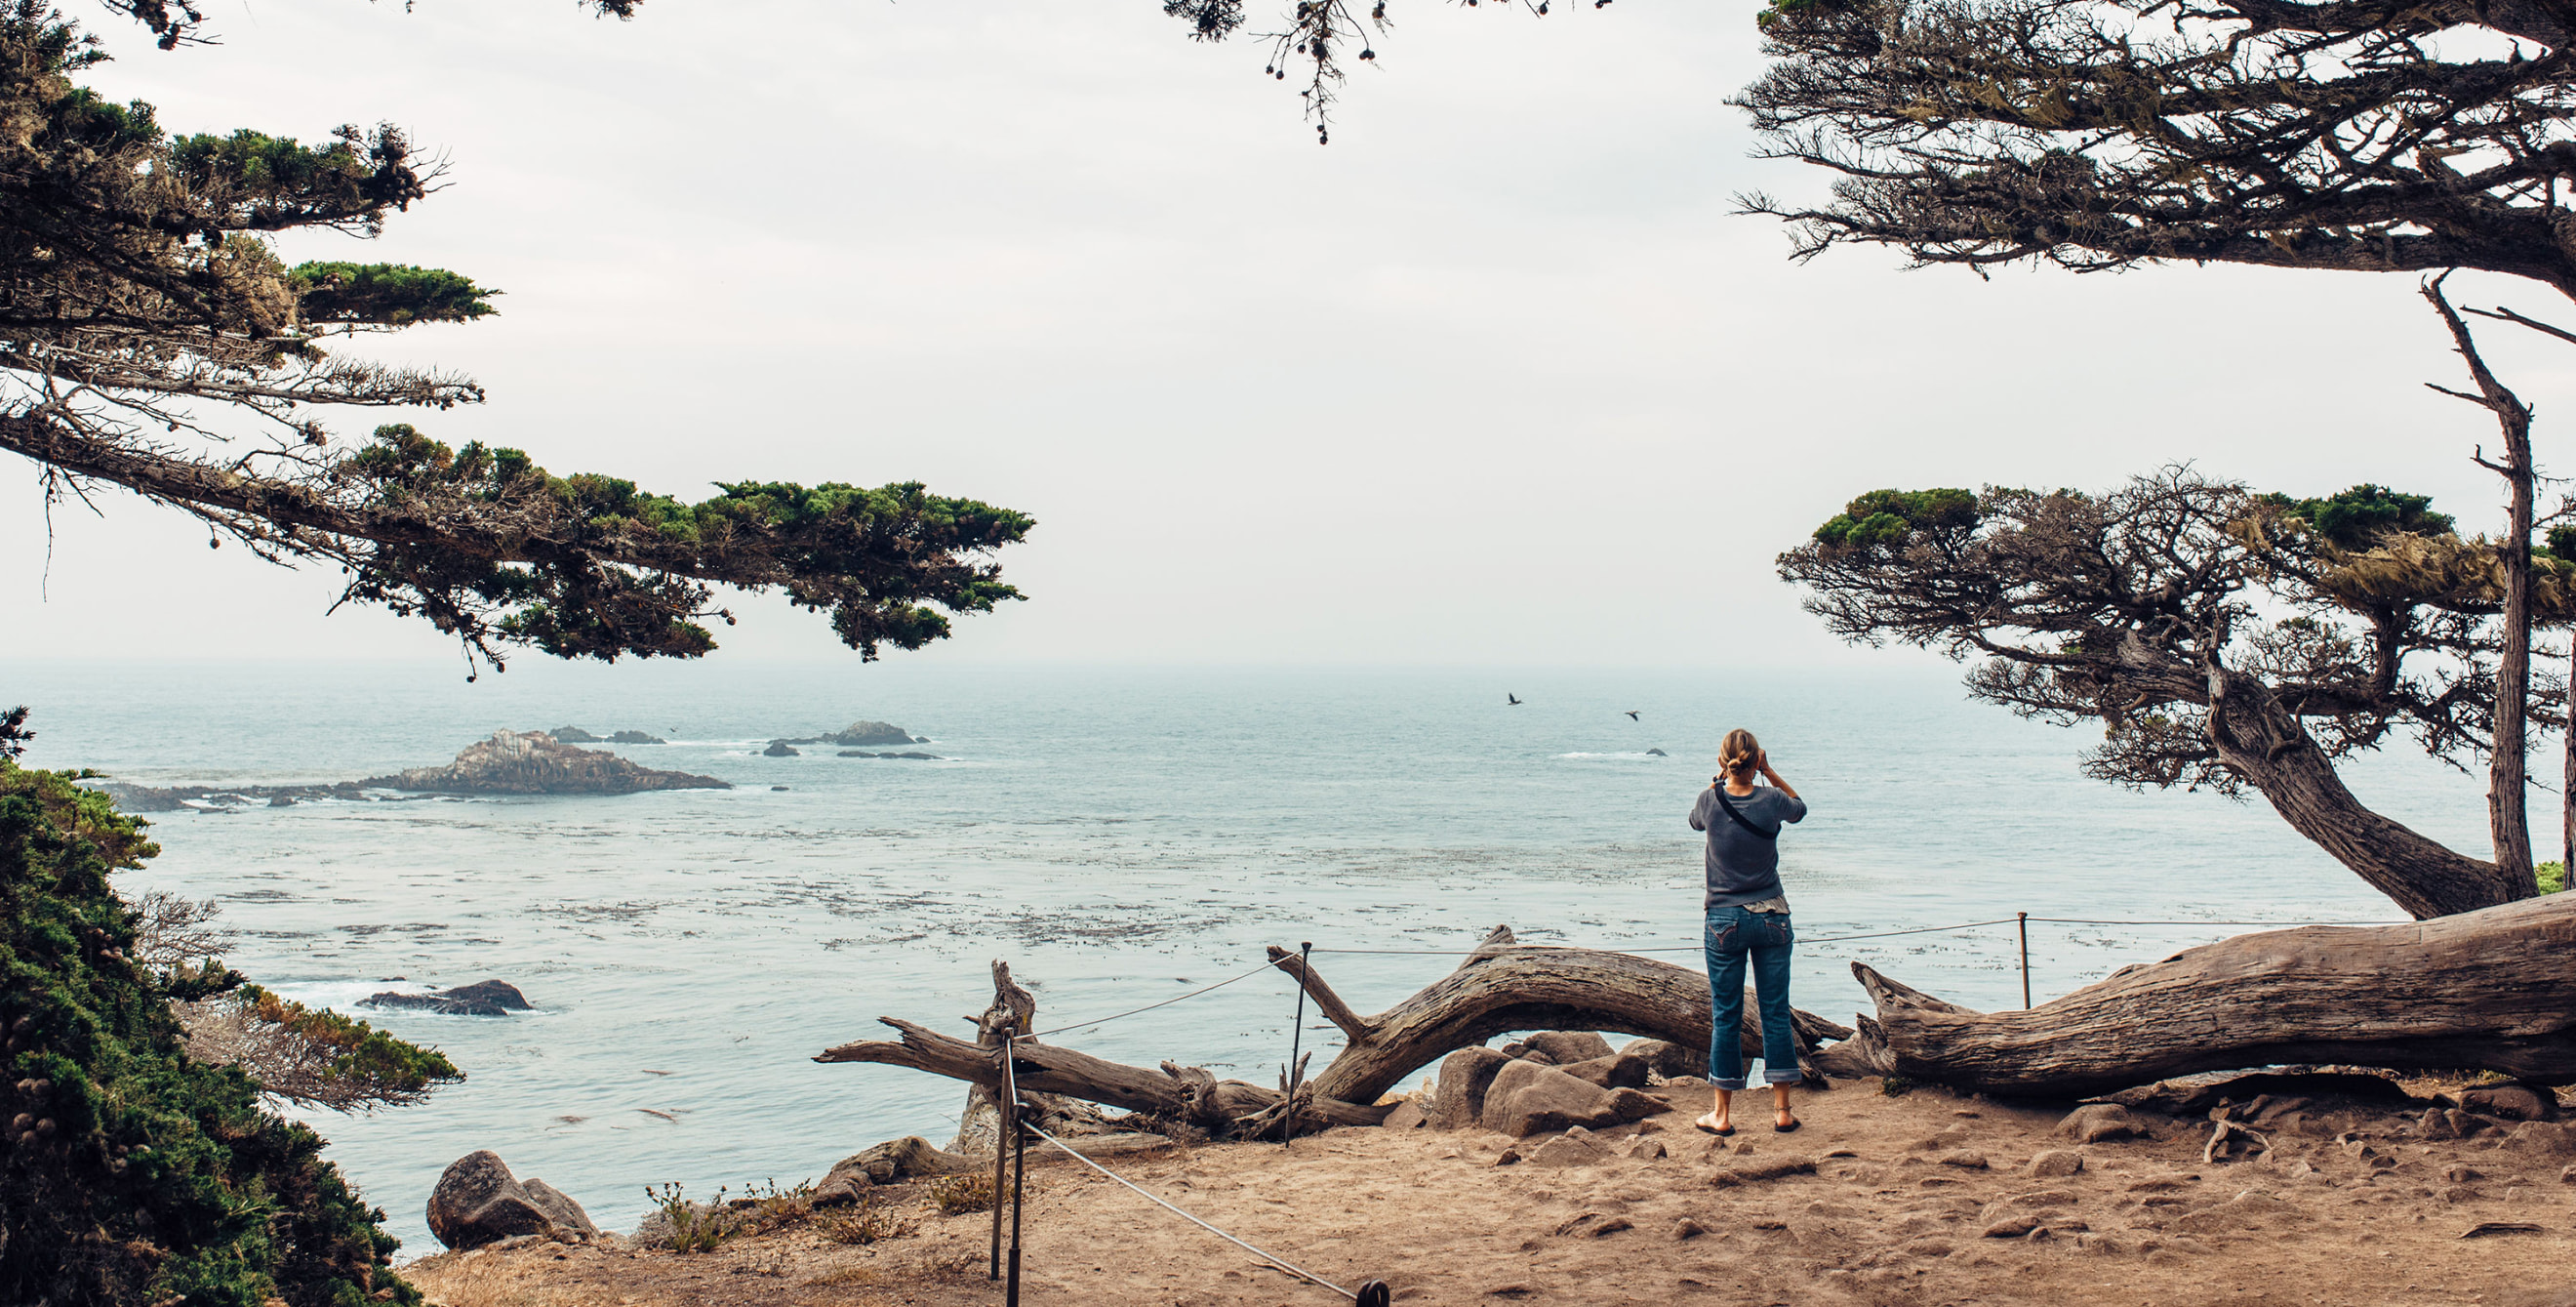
[1121, 836]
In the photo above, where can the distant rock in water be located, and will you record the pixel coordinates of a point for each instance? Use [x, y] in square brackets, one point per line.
[862, 734]
[1657, 753]
[779, 749]
[576, 735]
[862, 753]
[489, 998]
[512, 762]
[182, 798]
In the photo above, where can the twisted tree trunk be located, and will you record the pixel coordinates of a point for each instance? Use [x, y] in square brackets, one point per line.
[2479, 989]
[2264, 742]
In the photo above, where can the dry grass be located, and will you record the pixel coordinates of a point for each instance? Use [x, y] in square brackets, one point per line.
[463, 1280]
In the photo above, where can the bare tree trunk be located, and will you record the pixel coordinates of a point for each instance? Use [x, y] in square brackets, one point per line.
[2267, 745]
[2507, 783]
[2567, 786]
[2481, 989]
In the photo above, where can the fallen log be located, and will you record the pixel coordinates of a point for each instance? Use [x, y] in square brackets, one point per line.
[1505, 985]
[2488, 989]
[1502, 986]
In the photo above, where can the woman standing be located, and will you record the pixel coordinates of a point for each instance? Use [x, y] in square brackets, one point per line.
[1748, 916]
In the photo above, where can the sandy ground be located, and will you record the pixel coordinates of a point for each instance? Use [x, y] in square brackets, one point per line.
[1894, 1212]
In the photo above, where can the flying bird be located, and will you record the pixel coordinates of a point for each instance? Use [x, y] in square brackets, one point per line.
[1632, 713]
[1511, 699]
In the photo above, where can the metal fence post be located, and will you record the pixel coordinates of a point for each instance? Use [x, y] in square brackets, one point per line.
[2023, 925]
[1007, 1122]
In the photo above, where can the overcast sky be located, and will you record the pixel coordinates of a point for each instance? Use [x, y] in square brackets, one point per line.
[1495, 377]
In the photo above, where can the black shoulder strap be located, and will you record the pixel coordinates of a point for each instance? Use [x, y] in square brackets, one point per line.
[1719, 790]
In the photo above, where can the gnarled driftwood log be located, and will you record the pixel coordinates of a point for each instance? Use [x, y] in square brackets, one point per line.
[2489, 988]
[1506, 985]
[1502, 986]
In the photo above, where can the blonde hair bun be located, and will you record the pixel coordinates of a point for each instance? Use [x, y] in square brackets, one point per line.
[1736, 754]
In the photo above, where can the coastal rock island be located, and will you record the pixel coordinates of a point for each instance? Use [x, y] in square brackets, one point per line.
[861, 734]
[576, 735]
[534, 762]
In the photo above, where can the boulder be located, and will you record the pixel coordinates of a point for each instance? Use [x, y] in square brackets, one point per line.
[1617, 1071]
[486, 998]
[2096, 1123]
[478, 1201]
[2514, 1102]
[779, 749]
[2540, 1139]
[559, 1207]
[1668, 1059]
[498, 993]
[1637, 1104]
[533, 762]
[2056, 1162]
[1576, 1147]
[1564, 1047]
[1458, 1102]
[1526, 1099]
[1408, 1115]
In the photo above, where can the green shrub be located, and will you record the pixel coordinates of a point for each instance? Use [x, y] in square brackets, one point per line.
[691, 1227]
[2553, 876]
[130, 1174]
[1898, 1086]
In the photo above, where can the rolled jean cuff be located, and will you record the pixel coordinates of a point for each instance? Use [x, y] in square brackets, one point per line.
[1770, 1076]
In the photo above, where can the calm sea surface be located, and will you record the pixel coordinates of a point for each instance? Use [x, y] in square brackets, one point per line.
[1121, 836]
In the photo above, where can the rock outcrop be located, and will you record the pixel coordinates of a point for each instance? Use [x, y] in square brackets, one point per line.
[181, 798]
[533, 762]
[779, 749]
[478, 1201]
[488, 998]
[576, 735]
[913, 753]
[862, 734]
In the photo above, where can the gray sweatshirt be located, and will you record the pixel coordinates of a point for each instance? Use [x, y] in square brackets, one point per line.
[1743, 867]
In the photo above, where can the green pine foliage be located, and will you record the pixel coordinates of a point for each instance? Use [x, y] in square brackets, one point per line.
[1889, 518]
[2360, 517]
[131, 1175]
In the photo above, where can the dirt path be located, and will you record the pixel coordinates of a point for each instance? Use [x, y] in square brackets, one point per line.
[1895, 1211]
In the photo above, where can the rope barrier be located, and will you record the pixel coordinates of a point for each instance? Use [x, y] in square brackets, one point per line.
[1011, 1081]
[2087, 921]
[1811, 939]
[1273, 1259]
[1102, 1021]
[1875, 934]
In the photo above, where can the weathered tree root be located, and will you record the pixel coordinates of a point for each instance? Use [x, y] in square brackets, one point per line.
[1502, 986]
[2494, 988]
[2222, 1133]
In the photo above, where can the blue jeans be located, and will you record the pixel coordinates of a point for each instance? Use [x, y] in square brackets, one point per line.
[1732, 934]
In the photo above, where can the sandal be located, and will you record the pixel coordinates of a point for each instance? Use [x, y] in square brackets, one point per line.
[1790, 1128]
[1705, 1128]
